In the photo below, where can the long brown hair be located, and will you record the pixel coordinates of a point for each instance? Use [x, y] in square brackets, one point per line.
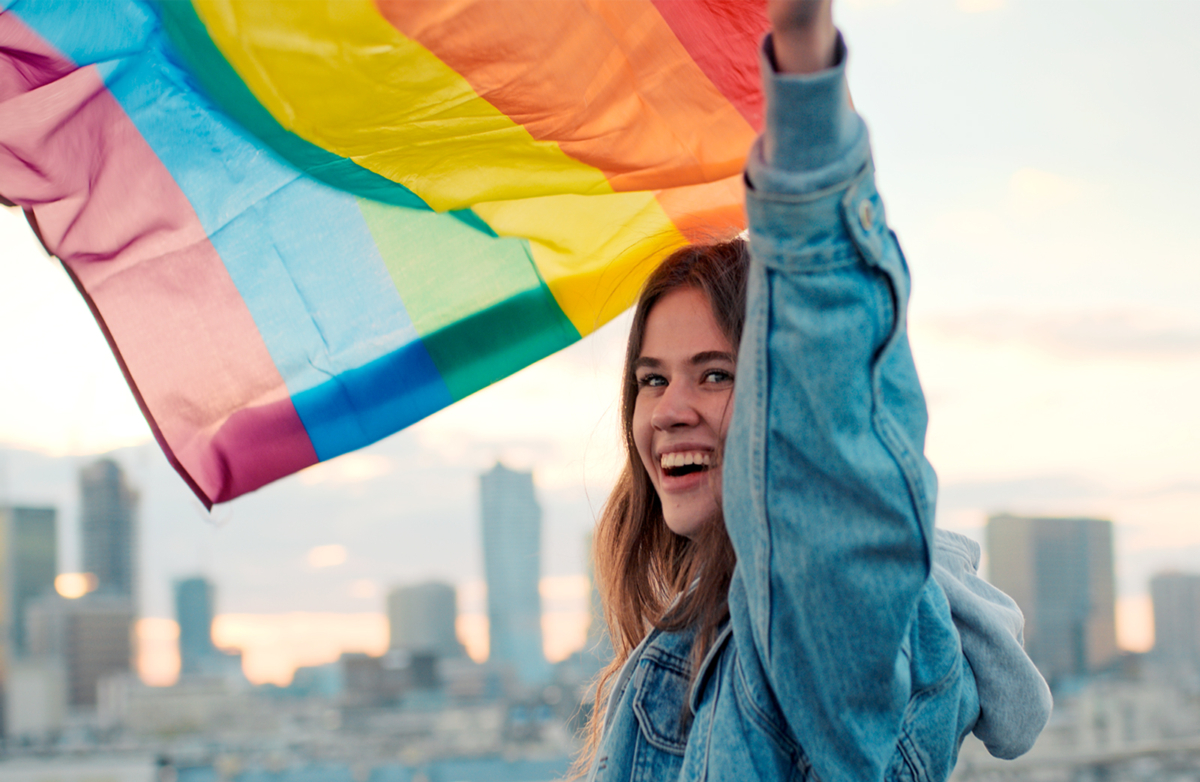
[647, 575]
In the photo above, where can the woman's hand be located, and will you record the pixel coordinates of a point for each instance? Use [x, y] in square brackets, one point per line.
[803, 33]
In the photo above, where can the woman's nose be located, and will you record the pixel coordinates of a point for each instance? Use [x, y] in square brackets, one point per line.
[676, 407]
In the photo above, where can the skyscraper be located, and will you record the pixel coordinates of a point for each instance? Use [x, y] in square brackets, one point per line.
[1176, 598]
[108, 506]
[28, 564]
[1060, 572]
[194, 614]
[512, 542]
[421, 620]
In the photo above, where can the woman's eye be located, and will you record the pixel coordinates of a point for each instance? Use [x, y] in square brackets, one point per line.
[651, 381]
[718, 376]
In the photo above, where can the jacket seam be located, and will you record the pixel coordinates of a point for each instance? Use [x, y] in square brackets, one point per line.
[780, 738]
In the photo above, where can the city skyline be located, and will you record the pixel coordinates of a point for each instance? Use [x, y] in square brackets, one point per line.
[565, 621]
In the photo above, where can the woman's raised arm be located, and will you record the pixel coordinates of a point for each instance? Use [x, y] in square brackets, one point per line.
[828, 498]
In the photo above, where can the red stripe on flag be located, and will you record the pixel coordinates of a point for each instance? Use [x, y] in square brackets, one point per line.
[722, 37]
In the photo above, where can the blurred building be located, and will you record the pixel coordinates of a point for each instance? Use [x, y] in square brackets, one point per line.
[206, 707]
[598, 643]
[1060, 572]
[35, 698]
[1176, 598]
[512, 544]
[194, 615]
[28, 565]
[199, 657]
[91, 638]
[421, 619]
[108, 507]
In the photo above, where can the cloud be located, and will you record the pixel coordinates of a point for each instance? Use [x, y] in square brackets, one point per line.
[1115, 333]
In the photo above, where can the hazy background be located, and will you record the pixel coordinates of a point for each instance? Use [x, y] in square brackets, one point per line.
[1039, 163]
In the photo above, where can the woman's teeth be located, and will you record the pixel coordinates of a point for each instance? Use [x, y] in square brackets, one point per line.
[683, 462]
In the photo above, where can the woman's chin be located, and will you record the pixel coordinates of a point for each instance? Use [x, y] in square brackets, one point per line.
[687, 520]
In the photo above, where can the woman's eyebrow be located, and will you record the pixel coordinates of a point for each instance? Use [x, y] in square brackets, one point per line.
[646, 361]
[712, 355]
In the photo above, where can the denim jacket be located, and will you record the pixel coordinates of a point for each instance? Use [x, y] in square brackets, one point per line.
[843, 657]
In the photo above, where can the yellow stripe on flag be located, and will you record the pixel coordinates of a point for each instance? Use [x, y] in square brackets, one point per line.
[594, 252]
[337, 74]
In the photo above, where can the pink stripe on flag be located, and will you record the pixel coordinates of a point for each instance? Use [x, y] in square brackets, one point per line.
[26, 61]
[104, 203]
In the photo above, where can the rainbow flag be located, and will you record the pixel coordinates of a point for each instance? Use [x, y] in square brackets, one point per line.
[306, 224]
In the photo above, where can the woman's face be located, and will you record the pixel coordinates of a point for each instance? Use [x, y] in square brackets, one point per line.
[685, 382]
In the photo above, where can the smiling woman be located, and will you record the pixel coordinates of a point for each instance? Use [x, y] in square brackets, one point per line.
[675, 404]
[779, 602]
[662, 554]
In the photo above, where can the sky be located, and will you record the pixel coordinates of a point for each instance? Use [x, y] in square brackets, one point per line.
[1038, 162]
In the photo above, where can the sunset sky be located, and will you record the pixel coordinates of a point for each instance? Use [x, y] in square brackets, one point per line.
[1039, 163]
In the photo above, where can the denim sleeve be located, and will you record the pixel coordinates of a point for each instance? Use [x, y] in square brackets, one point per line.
[828, 497]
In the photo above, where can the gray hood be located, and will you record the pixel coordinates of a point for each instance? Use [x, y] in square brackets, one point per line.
[1014, 699]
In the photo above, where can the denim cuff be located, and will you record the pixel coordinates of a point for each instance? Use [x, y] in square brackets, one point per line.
[812, 137]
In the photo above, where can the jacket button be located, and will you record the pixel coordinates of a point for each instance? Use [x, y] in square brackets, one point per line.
[866, 215]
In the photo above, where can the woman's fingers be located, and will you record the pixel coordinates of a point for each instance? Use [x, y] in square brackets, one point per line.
[803, 33]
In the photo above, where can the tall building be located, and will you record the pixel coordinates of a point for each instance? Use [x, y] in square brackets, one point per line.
[91, 637]
[1176, 598]
[1060, 572]
[28, 565]
[108, 506]
[194, 614]
[512, 544]
[421, 620]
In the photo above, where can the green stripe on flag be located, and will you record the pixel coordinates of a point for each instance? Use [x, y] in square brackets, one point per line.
[477, 301]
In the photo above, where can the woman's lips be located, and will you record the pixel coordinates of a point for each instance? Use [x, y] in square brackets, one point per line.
[676, 484]
[685, 468]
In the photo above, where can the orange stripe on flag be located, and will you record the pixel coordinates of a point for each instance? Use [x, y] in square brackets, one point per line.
[712, 212]
[608, 81]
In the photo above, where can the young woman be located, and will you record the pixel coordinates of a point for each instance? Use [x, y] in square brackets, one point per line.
[779, 604]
